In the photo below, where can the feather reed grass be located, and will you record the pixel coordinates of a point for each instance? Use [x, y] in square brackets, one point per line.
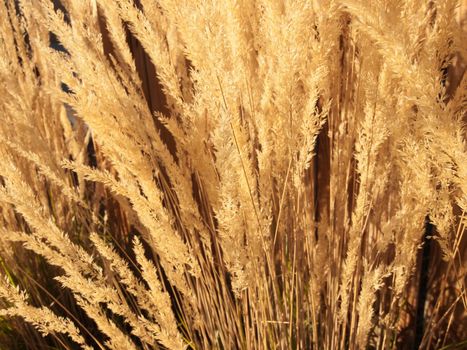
[239, 174]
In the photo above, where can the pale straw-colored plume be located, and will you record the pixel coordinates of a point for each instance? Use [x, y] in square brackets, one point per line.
[238, 174]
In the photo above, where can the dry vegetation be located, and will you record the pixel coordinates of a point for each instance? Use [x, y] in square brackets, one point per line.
[236, 174]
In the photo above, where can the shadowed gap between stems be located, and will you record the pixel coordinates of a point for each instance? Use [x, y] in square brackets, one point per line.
[423, 283]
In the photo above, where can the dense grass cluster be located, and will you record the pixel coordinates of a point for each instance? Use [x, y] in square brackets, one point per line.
[236, 174]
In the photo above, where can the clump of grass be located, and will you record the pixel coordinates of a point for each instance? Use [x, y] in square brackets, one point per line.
[232, 175]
